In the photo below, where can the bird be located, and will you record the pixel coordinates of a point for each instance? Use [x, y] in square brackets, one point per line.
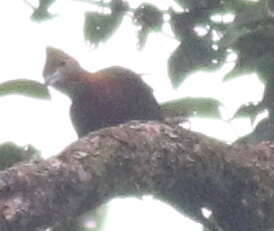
[105, 98]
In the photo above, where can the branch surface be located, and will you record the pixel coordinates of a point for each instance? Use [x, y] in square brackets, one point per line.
[186, 169]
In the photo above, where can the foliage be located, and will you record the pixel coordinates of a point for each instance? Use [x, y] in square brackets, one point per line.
[190, 55]
[250, 111]
[100, 26]
[149, 18]
[24, 87]
[41, 13]
[189, 107]
[250, 35]
[11, 154]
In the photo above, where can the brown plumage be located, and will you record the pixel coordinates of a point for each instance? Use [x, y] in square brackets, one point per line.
[105, 98]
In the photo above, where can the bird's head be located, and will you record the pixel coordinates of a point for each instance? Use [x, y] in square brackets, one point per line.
[61, 70]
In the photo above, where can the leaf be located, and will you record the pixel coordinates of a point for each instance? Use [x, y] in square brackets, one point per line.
[191, 55]
[41, 12]
[262, 132]
[24, 87]
[149, 18]
[250, 110]
[235, 73]
[183, 23]
[243, 66]
[142, 37]
[11, 154]
[40, 15]
[255, 53]
[46, 3]
[256, 43]
[250, 14]
[99, 27]
[190, 4]
[231, 36]
[265, 67]
[190, 106]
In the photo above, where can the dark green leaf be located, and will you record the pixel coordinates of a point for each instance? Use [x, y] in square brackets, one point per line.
[235, 73]
[24, 87]
[243, 66]
[142, 37]
[255, 43]
[40, 15]
[231, 36]
[188, 107]
[149, 18]
[191, 4]
[250, 15]
[250, 111]
[255, 53]
[11, 154]
[41, 12]
[264, 131]
[99, 26]
[244, 38]
[189, 56]
[183, 23]
[46, 3]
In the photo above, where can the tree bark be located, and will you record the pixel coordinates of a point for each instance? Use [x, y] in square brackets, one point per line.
[184, 168]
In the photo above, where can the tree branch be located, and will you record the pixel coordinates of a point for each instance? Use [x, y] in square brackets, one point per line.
[186, 169]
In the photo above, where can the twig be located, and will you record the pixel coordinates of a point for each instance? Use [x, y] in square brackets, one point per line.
[29, 4]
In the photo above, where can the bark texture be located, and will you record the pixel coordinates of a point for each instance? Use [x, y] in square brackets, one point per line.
[186, 169]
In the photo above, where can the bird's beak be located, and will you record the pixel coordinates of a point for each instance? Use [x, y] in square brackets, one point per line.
[48, 81]
[51, 79]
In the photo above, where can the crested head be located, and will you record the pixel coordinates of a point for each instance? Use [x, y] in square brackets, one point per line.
[61, 70]
[57, 61]
[52, 51]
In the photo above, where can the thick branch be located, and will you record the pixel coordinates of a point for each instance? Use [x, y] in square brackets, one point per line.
[184, 168]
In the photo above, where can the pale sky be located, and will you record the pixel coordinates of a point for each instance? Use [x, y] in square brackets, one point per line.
[46, 124]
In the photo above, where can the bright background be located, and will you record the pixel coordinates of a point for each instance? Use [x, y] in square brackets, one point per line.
[46, 124]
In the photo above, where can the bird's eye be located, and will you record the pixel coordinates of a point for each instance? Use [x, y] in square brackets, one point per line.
[62, 63]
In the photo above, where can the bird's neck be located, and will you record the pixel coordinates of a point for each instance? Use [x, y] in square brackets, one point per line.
[84, 87]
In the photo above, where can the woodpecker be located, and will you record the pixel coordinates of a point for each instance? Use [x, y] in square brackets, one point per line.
[105, 98]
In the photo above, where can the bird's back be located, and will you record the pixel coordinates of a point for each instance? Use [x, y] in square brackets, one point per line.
[113, 96]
